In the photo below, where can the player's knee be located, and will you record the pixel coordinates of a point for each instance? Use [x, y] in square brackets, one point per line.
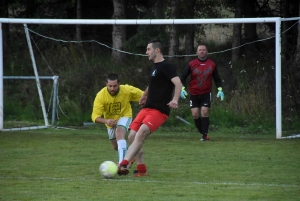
[131, 138]
[141, 136]
[195, 115]
[204, 114]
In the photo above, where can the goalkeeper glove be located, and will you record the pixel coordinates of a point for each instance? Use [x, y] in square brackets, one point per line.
[183, 93]
[220, 93]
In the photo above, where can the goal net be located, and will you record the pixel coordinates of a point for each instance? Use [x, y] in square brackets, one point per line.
[72, 57]
[25, 111]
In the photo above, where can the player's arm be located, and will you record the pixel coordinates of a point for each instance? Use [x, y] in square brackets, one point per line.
[178, 85]
[109, 122]
[136, 94]
[217, 78]
[143, 98]
[184, 75]
[176, 81]
[218, 83]
[98, 110]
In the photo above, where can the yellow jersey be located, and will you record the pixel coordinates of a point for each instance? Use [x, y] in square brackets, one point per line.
[115, 107]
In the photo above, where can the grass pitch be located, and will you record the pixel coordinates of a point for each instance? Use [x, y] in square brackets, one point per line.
[63, 165]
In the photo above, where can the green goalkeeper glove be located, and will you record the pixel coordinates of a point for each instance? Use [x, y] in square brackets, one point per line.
[220, 93]
[183, 93]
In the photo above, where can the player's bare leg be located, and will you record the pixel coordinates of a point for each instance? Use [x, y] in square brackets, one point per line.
[141, 169]
[131, 137]
[135, 149]
[197, 119]
[139, 158]
[138, 142]
[114, 144]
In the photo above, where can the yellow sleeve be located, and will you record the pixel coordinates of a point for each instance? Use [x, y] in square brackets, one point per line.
[136, 93]
[98, 108]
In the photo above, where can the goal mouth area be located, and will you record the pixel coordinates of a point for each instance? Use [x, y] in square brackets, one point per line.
[16, 124]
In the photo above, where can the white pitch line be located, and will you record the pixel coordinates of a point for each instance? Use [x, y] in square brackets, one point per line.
[154, 181]
[210, 183]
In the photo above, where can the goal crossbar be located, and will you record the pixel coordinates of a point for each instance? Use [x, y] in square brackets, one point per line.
[276, 20]
[139, 21]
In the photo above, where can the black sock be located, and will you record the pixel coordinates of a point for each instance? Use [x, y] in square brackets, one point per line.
[205, 125]
[198, 123]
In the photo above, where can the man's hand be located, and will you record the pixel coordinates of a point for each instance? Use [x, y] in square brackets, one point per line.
[111, 122]
[173, 104]
[220, 93]
[183, 93]
[142, 100]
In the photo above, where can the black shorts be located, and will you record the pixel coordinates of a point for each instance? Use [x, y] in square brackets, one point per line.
[202, 100]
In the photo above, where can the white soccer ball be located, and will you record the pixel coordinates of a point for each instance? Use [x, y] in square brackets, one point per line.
[108, 169]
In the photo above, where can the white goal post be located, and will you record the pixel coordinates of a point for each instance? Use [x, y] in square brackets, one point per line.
[276, 20]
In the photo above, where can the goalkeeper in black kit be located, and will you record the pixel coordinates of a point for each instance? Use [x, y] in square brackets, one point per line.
[201, 70]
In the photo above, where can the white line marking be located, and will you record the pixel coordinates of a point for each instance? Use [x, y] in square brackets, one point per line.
[152, 181]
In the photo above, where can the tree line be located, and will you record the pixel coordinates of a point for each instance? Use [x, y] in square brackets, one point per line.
[179, 39]
[162, 9]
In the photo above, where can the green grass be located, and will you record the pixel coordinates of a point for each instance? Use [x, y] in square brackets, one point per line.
[63, 165]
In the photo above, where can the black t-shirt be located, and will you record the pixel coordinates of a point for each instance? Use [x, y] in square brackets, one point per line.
[161, 87]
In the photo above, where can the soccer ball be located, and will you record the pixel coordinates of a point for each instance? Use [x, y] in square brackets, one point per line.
[108, 169]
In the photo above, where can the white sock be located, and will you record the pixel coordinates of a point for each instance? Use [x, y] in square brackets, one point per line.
[122, 148]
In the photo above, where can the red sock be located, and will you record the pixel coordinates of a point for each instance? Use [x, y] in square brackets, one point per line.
[124, 162]
[141, 168]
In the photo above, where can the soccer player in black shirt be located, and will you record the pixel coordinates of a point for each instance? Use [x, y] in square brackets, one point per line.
[157, 99]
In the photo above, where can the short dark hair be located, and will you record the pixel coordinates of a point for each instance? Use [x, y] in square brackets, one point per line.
[112, 76]
[156, 43]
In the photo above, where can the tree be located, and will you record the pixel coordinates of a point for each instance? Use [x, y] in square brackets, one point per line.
[119, 31]
[284, 46]
[237, 31]
[174, 38]
[294, 71]
[78, 28]
[250, 28]
[159, 13]
[159, 7]
[155, 9]
[5, 26]
[189, 30]
[298, 38]
[79, 16]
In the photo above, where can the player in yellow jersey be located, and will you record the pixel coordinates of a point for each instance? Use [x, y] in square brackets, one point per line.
[112, 107]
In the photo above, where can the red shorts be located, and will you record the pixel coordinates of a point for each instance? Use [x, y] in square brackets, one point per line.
[150, 117]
